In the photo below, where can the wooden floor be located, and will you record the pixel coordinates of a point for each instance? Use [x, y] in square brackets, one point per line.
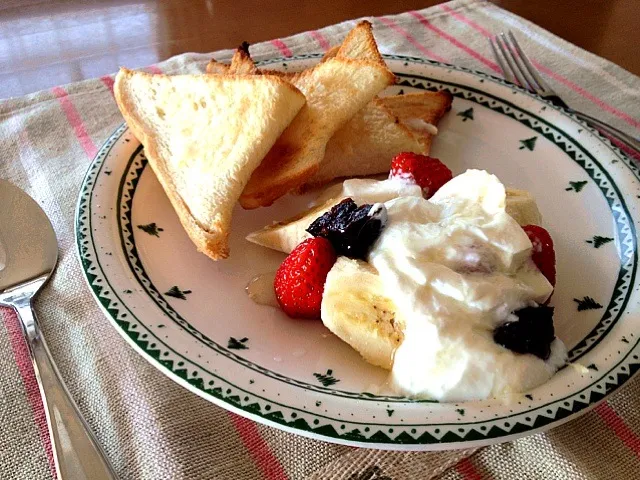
[45, 43]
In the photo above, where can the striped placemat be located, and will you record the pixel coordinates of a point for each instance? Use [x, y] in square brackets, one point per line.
[151, 427]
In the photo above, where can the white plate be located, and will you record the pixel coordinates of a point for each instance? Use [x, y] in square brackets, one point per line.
[295, 375]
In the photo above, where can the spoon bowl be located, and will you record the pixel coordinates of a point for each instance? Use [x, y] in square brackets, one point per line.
[28, 246]
[28, 257]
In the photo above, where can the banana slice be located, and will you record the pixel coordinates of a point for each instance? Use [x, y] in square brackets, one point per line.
[522, 207]
[355, 308]
[287, 234]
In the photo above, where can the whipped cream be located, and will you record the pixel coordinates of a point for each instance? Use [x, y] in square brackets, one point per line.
[421, 125]
[456, 266]
[368, 190]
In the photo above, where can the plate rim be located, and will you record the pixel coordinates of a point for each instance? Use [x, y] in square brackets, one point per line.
[310, 433]
[590, 341]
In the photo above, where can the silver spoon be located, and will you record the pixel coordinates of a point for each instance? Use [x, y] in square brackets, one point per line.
[28, 256]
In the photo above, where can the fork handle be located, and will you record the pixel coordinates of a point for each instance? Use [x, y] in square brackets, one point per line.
[628, 140]
[76, 452]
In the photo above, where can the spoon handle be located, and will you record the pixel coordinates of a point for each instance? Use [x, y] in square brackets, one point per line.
[77, 454]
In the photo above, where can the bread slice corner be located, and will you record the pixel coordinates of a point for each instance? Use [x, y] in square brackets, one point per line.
[335, 91]
[204, 135]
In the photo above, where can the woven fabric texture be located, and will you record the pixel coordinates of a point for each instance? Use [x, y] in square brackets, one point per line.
[150, 427]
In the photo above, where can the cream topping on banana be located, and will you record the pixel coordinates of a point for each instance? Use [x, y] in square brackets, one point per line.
[456, 266]
[369, 190]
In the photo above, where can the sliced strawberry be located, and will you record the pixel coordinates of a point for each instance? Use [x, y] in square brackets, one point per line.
[543, 254]
[430, 173]
[299, 282]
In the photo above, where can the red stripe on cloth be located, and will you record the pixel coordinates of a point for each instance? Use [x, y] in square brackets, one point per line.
[454, 41]
[392, 25]
[578, 89]
[73, 117]
[467, 470]
[468, 21]
[154, 69]
[279, 44]
[262, 455]
[322, 41]
[108, 81]
[559, 78]
[633, 154]
[622, 431]
[25, 368]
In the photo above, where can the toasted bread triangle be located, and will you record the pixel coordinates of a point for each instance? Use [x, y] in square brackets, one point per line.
[332, 52]
[380, 130]
[384, 127]
[204, 135]
[429, 107]
[335, 91]
[215, 67]
[359, 44]
[242, 62]
[366, 145]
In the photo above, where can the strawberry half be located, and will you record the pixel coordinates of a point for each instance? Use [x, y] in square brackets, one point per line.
[543, 254]
[299, 282]
[430, 173]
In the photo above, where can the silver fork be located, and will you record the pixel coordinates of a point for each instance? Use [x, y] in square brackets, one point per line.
[518, 69]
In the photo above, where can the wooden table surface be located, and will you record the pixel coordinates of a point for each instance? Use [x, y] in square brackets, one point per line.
[45, 43]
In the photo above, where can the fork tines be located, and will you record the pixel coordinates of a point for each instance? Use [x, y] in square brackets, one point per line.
[515, 65]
